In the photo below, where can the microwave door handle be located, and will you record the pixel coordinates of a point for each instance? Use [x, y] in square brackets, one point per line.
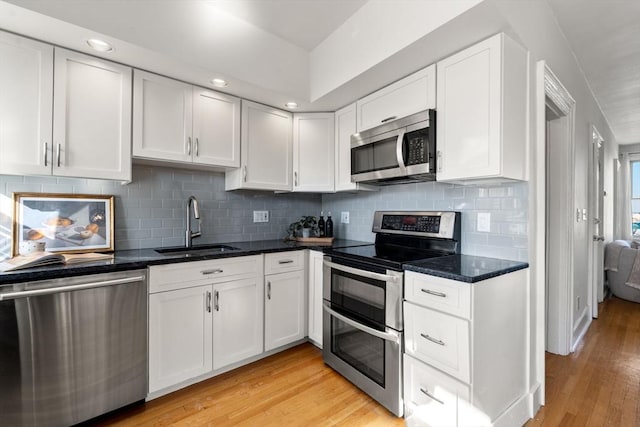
[399, 154]
[387, 336]
[363, 273]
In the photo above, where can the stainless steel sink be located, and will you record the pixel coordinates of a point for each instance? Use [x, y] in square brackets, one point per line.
[196, 249]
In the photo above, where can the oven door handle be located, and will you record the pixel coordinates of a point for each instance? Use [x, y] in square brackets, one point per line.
[363, 273]
[387, 336]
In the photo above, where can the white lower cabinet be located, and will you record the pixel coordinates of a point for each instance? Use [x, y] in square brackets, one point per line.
[314, 277]
[284, 300]
[237, 321]
[180, 336]
[465, 361]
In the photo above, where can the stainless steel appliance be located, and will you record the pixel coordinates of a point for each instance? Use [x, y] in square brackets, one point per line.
[363, 291]
[396, 152]
[73, 348]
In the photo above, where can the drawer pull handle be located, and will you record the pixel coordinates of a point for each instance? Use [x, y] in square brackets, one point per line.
[214, 271]
[431, 396]
[388, 119]
[430, 292]
[285, 261]
[433, 340]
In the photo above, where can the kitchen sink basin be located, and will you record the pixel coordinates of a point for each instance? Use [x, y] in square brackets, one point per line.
[196, 249]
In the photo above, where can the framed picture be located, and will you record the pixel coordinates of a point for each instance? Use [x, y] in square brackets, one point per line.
[64, 222]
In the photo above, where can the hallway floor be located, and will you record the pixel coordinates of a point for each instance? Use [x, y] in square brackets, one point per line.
[599, 384]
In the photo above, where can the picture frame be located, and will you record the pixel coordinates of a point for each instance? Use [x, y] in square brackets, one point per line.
[67, 223]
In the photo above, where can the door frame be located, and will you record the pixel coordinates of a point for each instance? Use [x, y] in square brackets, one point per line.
[595, 293]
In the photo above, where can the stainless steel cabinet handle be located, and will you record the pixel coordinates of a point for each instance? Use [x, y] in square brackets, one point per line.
[433, 340]
[430, 292]
[58, 154]
[214, 271]
[189, 146]
[268, 290]
[196, 148]
[216, 300]
[208, 302]
[363, 273]
[46, 152]
[431, 396]
[439, 160]
[387, 119]
[59, 289]
[388, 336]
[295, 179]
[244, 173]
[285, 261]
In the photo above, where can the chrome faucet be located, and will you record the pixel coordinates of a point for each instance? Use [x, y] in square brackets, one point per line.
[189, 235]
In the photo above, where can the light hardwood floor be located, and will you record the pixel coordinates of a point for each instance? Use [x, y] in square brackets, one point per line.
[598, 385]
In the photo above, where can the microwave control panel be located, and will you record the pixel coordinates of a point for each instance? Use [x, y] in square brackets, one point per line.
[417, 147]
[419, 223]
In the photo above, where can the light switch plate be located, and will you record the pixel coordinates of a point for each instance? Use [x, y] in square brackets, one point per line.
[484, 222]
[260, 216]
[344, 217]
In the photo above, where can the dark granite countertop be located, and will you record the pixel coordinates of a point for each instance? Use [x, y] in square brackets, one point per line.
[142, 258]
[465, 268]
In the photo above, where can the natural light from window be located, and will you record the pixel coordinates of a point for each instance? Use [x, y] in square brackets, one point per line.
[635, 198]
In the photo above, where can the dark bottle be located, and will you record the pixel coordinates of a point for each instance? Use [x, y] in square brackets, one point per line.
[328, 228]
[321, 224]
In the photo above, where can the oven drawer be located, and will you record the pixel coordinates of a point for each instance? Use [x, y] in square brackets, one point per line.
[438, 339]
[431, 398]
[283, 262]
[445, 295]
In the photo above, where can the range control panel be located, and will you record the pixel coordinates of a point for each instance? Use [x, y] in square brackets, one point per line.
[427, 224]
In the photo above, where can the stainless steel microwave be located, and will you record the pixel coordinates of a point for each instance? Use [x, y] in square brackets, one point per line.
[396, 152]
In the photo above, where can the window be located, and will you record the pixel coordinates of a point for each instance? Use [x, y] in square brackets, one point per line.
[635, 198]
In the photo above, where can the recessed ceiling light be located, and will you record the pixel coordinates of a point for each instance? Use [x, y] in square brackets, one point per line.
[99, 45]
[291, 105]
[219, 82]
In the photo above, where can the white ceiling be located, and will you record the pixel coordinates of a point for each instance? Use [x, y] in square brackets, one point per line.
[605, 36]
[263, 46]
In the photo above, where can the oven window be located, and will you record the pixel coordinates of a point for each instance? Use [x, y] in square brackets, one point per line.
[360, 297]
[362, 351]
[375, 156]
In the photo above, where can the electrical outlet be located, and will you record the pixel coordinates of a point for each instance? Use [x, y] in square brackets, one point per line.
[344, 218]
[260, 216]
[484, 222]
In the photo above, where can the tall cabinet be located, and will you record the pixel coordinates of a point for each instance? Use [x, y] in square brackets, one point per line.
[266, 147]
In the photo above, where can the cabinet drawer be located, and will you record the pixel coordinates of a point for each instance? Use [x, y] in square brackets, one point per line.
[187, 274]
[431, 397]
[441, 294]
[282, 262]
[410, 95]
[438, 339]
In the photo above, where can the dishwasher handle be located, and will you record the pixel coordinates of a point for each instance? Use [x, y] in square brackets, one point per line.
[70, 288]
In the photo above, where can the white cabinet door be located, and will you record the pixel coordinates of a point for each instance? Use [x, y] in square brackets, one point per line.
[237, 321]
[481, 120]
[313, 151]
[284, 315]
[26, 88]
[345, 126]
[162, 118]
[266, 150]
[412, 94]
[315, 297]
[180, 336]
[91, 117]
[216, 128]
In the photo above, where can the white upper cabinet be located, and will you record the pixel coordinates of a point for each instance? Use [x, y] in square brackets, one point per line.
[178, 122]
[412, 94]
[266, 148]
[26, 88]
[345, 126]
[313, 151]
[482, 112]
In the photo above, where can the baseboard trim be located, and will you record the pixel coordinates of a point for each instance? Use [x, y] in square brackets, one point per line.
[517, 414]
[582, 326]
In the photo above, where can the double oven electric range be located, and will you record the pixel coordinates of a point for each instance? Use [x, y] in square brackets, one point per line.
[363, 291]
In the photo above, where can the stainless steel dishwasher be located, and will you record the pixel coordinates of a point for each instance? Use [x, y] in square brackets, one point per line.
[72, 348]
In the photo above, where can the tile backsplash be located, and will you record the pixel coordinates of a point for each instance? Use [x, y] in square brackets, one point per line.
[506, 203]
[150, 212]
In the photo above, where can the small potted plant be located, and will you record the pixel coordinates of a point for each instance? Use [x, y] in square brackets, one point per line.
[306, 226]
